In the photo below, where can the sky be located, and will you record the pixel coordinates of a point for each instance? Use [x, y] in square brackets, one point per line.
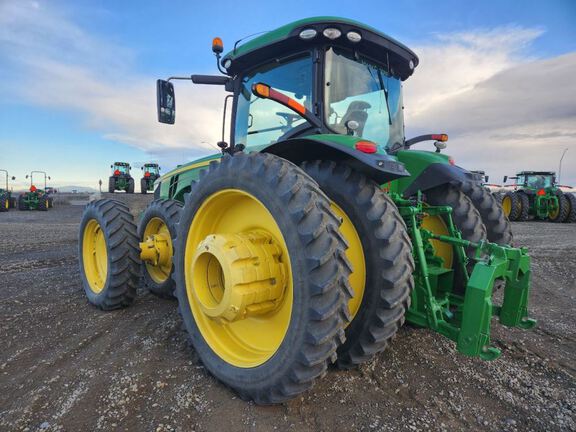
[78, 79]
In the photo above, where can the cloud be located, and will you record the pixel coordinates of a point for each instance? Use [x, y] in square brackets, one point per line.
[52, 62]
[504, 110]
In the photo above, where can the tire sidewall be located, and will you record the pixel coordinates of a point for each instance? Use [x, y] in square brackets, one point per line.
[91, 212]
[274, 368]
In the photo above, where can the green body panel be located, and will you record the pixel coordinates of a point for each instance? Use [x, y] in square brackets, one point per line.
[174, 184]
[343, 140]
[415, 161]
[283, 32]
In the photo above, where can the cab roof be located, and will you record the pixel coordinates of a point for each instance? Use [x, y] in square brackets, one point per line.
[536, 173]
[121, 163]
[285, 40]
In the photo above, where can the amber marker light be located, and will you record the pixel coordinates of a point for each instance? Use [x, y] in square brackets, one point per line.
[366, 146]
[217, 45]
[440, 137]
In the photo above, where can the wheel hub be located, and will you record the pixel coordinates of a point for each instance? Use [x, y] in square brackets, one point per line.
[156, 250]
[238, 275]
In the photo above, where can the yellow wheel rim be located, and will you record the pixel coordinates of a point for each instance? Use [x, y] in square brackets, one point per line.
[355, 254]
[436, 225]
[251, 341]
[553, 214]
[160, 272]
[507, 205]
[95, 256]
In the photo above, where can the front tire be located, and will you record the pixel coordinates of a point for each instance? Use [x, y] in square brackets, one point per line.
[381, 255]
[275, 354]
[466, 219]
[498, 228]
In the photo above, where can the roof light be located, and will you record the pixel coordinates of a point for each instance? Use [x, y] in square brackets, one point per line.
[366, 146]
[227, 63]
[308, 34]
[411, 64]
[332, 33]
[217, 45]
[354, 36]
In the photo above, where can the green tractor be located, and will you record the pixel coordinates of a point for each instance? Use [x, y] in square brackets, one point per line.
[35, 199]
[7, 201]
[536, 195]
[151, 172]
[121, 178]
[317, 232]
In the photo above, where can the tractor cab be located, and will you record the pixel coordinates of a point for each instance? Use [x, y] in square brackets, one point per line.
[120, 169]
[151, 170]
[537, 179]
[313, 86]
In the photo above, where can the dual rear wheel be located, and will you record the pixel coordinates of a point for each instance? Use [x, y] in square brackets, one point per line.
[261, 269]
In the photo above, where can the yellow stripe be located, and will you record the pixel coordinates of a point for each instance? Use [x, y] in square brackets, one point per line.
[186, 168]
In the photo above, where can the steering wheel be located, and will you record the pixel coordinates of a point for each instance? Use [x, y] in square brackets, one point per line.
[289, 117]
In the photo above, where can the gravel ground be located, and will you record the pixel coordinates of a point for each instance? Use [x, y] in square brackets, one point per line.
[65, 365]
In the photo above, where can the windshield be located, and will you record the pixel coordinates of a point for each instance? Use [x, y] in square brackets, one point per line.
[363, 95]
[538, 181]
[264, 121]
[122, 168]
[151, 169]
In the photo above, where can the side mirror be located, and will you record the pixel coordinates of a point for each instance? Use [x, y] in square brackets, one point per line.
[111, 166]
[27, 176]
[505, 178]
[166, 102]
[486, 179]
[49, 178]
[13, 178]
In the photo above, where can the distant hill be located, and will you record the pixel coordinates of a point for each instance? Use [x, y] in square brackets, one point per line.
[80, 189]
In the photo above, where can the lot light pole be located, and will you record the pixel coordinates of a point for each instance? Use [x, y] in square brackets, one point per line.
[560, 164]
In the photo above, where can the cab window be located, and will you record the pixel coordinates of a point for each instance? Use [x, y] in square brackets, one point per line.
[263, 121]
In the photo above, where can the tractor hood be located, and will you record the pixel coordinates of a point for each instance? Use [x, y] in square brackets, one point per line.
[287, 39]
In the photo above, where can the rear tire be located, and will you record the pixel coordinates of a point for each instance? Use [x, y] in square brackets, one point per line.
[571, 216]
[319, 292]
[466, 219]
[111, 184]
[511, 205]
[563, 209]
[498, 228]
[4, 203]
[387, 252]
[117, 268]
[13, 202]
[168, 211]
[43, 203]
[143, 186]
[130, 187]
[524, 214]
[22, 205]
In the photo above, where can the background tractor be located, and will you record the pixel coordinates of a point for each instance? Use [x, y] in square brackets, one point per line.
[35, 199]
[536, 195]
[318, 231]
[151, 172]
[7, 201]
[121, 178]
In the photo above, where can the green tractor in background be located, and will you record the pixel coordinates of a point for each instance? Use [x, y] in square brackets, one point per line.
[151, 172]
[7, 201]
[35, 199]
[317, 232]
[537, 195]
[121, 178]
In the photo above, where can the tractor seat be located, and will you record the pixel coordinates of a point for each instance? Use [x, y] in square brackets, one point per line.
[356, 111]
